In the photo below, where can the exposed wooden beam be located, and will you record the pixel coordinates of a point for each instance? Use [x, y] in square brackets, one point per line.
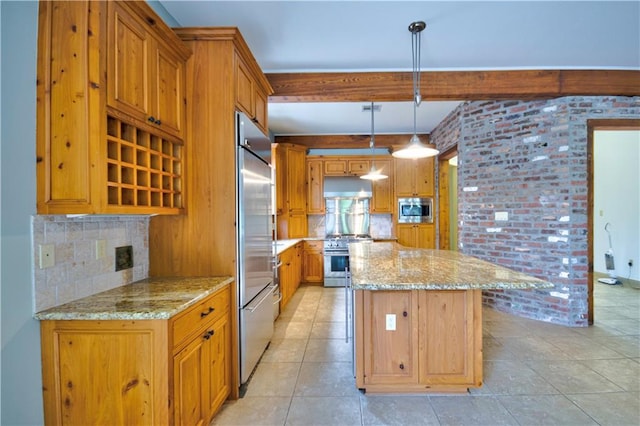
[347, 141]
[451, 85]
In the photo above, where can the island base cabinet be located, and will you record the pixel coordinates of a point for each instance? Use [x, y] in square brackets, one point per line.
[414, 341]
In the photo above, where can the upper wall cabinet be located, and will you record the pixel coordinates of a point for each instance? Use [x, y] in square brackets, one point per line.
[104, 69]
[414, 178]
[250, 97]
[146, 70]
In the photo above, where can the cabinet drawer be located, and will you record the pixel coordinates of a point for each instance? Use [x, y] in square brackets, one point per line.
[200, 315]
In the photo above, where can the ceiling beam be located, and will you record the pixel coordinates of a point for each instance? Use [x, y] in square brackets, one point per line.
[452, 85]
[348, 141]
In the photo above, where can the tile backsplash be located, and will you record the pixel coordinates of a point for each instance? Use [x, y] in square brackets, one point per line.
[380, 225]
[76, 271]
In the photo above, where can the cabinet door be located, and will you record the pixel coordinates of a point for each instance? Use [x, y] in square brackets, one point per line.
[406, 235]
[244, 88]
[335, 167]
[424, 177]
[390, 337]
[286, 280]
[189, 379]
[128, 87]
[313, 262]
[358, 167]
[280, 157]
[315, 187]
[296, 182]
[218, 356]
[425, 236]
[168, 86]
[381, 201]
[297, 226]
[449, 352]
[260, 109]
[404, 178]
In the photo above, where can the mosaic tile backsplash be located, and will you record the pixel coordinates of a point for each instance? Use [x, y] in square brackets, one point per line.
[77, 272]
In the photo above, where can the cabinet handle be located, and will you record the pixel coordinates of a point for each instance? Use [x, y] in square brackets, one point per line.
[158, 122]
[151, 119]
[204, 314]
[207, 335]
[401, 366]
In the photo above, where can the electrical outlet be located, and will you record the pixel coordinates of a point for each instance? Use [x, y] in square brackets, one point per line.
[124, 258]
[390, 322]
[47, 256]
[101, 249]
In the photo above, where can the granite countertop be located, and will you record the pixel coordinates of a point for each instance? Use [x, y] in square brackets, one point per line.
[151, 298]
[390, 266]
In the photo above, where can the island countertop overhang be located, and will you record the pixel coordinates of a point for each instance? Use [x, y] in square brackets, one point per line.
[391, 266]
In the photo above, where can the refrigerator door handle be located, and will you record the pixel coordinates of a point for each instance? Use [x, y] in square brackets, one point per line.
[257, 305]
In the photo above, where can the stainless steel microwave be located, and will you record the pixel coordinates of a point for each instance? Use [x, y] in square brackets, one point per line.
[415, 210]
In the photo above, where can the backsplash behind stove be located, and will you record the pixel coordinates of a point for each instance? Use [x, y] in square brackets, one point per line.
[380, 225]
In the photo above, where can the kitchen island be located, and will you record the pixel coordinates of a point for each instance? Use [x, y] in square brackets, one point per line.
[418, 316]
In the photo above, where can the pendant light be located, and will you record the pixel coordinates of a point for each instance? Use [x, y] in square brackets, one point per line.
[415, 148]
[373, 173]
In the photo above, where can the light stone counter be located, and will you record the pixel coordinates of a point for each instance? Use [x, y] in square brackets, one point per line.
[391, 266]
[151, 298]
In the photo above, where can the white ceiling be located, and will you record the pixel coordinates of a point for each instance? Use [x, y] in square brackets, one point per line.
[308, 35]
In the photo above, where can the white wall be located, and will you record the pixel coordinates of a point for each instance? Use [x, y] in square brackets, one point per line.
[21, 383]
[617, 200]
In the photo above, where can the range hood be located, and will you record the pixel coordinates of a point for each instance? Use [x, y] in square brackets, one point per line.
[346, 187]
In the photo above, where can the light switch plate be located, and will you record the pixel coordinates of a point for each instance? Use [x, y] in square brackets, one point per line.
[101, 249]
[47, 256]
[391, 322]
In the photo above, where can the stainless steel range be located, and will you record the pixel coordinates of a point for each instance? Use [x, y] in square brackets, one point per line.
[336, 258]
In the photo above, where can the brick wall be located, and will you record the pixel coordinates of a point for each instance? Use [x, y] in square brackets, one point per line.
[529, 159]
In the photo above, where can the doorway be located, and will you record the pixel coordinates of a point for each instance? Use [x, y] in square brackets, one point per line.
[607, 209]
[448, 199]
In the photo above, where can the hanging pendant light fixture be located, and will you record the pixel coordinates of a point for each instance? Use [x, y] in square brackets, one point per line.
[415, 148]
[373, 174]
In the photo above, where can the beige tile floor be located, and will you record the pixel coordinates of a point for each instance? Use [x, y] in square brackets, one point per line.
[535, 373]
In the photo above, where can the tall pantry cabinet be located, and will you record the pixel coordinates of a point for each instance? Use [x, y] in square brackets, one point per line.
[222, 78]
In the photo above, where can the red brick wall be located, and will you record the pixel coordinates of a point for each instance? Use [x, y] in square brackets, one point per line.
[529, 159]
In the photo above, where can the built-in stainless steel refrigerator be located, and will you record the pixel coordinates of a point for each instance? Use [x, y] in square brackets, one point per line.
[256, 284]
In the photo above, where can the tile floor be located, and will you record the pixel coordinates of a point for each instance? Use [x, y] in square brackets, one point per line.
[535, 373]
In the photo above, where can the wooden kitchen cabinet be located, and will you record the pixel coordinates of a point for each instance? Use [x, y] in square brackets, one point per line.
[359, 167]
[202, 361]
[335, 167]
[146, 70]
[390, 320]
[313, 262]
[414, 178]
[250, 97]
[315, 187]
[290, 273]
[382, 198]
[416, 235]
[291, 190]
[418, 340]
[138, 371]
[94, 155]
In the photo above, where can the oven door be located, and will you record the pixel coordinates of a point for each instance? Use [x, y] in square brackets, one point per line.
[335, 264]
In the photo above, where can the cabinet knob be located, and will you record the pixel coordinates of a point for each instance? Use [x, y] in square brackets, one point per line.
[401, 366]
[151, 119]
[404, 313]
[207, 335]
[204, 314]
[158, 122]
